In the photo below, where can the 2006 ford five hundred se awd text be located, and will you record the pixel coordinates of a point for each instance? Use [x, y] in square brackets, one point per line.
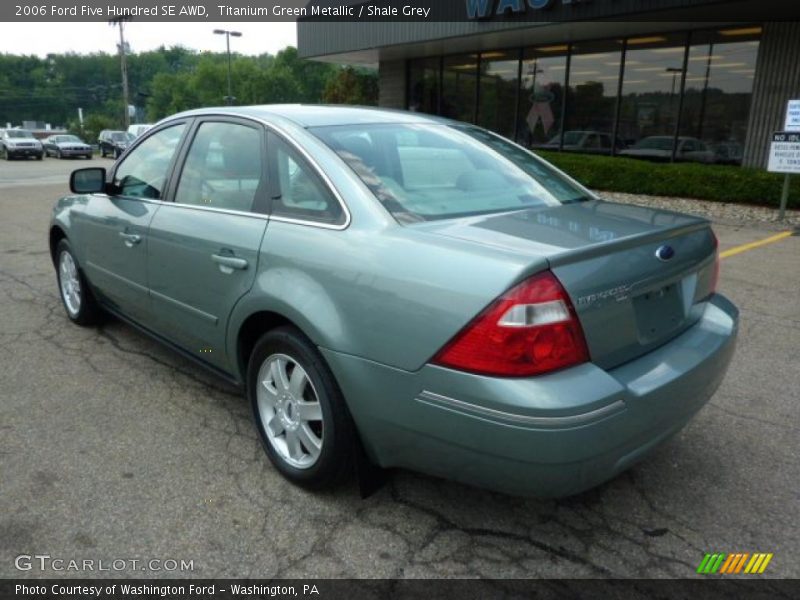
[414, 291]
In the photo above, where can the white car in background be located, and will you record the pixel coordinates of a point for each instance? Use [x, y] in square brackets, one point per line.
[19, 143]
[139, 129]
[659, 147]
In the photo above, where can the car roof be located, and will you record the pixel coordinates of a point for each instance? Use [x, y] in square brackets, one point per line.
[318, 115]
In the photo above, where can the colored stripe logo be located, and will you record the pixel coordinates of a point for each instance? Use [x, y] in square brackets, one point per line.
[734, 564]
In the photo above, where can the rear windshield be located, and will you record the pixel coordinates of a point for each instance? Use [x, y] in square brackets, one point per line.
[437, 171]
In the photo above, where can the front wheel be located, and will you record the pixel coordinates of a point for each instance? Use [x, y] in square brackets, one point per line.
[75, 294]
[299, 412]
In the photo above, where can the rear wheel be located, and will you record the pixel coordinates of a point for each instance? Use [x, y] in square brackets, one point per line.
[75, 294]
[299, 411]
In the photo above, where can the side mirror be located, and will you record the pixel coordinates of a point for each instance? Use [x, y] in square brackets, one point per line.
[88, 181]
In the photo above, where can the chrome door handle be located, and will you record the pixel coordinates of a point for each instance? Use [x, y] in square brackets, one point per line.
[130, 239]
[229, 262]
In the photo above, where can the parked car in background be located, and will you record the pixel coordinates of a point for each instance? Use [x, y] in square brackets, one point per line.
[138, 129]
[404, 289]
[728, 153]
[592, 142]
[659, 148]
[113, 143]
[19, 143]
[66, 146]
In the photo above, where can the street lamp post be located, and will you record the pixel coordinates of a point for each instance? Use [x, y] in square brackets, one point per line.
[229, 98]
[120, 22]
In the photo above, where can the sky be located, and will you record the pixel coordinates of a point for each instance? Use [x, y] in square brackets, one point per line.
[85, 38]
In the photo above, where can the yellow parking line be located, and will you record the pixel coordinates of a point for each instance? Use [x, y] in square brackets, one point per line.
[745, 247]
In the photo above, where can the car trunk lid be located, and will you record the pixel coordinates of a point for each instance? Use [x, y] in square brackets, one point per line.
[629, 299]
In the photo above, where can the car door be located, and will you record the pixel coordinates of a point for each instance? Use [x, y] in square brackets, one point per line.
[115, 225]
[203, 246]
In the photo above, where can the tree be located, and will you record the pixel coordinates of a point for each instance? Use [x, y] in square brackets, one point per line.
[352, 86]
[165, 81]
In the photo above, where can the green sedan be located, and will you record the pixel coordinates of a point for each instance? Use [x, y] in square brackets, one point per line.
[397, 290]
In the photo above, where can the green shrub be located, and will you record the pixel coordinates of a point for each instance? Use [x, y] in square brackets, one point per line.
[721, 183]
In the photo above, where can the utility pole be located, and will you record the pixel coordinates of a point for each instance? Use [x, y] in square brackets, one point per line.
[120, 21]
[229, 99]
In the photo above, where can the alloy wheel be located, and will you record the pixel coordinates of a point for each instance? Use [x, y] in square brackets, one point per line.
[70, 283]
[290, 411]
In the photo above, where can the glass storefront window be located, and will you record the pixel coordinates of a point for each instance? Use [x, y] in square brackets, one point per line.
[719, 85]
[459, 87]
[592, 97]
[651, 93]
[423, 85]
[566, 96]
[499, 83]
[542, 96]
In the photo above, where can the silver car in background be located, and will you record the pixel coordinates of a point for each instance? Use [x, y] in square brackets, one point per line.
[66, 146]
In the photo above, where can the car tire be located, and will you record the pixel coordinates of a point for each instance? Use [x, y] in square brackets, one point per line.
[81, 307]
[39, 156]
[301, 416]
[59, 155]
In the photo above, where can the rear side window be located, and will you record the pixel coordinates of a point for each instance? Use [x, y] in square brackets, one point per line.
[224, 167]
[297, 191]
[143, 173]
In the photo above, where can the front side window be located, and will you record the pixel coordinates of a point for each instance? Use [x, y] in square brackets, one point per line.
[428, 172]
[143, 173]
[223, 168]
[298, 193]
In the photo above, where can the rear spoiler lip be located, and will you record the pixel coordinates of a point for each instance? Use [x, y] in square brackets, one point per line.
[608, 247]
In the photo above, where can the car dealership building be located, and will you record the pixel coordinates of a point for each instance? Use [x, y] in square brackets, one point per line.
[608, 76]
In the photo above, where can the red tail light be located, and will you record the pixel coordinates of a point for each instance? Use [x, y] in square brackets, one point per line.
[529, 330]
[715, 272]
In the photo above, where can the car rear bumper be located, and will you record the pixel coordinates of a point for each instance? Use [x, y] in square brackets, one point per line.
[551, 436]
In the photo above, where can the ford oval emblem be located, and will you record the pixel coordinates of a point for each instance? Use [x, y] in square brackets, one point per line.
[665, 253]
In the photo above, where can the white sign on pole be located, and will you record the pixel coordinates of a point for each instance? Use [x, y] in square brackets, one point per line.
[784, 152]
[792, 116]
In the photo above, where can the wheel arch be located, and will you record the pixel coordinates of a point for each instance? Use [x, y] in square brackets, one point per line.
[249, 332]
[57, 234]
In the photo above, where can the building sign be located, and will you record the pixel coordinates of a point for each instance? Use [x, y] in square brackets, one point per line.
[486, 9]
[792, 116]
[784, 152]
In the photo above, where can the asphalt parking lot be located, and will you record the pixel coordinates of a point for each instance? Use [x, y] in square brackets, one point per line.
[112, 447]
